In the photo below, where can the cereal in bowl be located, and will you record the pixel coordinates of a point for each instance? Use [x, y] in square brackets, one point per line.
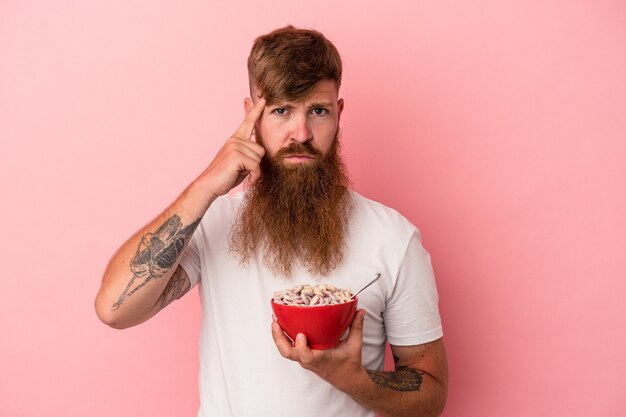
[306, 295]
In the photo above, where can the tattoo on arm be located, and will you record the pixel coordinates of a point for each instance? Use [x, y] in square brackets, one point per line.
[177, 286]
[403, 379]
[156, 253]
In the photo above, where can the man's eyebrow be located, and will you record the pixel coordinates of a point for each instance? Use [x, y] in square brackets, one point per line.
[281, 104]
[321, 104]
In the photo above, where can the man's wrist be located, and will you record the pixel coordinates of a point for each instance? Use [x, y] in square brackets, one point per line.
[358, 386]
[199, 195]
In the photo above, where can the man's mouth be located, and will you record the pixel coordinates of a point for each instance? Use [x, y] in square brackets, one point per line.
[299, 157]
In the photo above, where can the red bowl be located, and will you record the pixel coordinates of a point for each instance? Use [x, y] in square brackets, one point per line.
[323, 326]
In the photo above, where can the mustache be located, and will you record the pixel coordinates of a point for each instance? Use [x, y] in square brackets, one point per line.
[299, 149]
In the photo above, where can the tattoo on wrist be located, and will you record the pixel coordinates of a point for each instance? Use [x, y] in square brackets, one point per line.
[403, 379]
[156, 253]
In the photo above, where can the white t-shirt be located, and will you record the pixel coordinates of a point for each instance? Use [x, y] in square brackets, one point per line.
[241, 372]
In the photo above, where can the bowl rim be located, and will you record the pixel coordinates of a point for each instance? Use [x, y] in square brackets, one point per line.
[355, 299]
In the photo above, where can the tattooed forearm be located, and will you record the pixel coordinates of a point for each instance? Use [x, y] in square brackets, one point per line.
[403, 379]
[156, 253]
[177, 286]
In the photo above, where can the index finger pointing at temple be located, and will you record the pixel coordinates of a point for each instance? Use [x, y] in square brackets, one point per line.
[246, 128]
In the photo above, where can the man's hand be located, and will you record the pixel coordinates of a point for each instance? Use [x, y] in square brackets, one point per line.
[417, 387]
[340, 366]
[238, 158]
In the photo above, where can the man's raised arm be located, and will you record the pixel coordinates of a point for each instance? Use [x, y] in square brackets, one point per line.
[144, 275]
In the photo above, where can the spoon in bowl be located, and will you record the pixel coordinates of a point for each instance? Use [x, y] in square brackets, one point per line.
[370, 283]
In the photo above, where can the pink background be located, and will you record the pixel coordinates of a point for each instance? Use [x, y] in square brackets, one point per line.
[497, 127]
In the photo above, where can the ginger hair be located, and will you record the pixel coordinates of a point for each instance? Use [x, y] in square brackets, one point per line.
[287, 63]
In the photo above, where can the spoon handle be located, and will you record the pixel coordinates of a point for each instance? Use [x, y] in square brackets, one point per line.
[370, 283]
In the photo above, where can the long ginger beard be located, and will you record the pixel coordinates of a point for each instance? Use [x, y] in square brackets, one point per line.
[295, 214]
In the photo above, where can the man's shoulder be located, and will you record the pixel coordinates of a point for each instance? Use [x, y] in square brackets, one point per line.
[228, 202]
[223, 209]
[377, 215]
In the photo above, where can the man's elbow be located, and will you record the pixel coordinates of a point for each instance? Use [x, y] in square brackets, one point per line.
[439, 403]
[438, 409]
[433, 409]
[107, 315]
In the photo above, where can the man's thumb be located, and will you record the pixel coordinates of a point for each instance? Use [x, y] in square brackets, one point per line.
[356, 328]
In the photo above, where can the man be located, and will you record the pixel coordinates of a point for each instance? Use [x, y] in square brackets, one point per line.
[297, 223]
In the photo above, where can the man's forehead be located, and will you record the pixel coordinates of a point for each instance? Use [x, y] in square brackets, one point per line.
[325, 92]
[313, 102]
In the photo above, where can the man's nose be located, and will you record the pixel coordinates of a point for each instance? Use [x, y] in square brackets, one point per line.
[301, 131]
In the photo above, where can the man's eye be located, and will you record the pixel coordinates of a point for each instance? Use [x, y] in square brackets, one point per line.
[280, 111]
[319, 111]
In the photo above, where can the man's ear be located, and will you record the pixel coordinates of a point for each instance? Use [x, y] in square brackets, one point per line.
[247, 105]
[340, 107]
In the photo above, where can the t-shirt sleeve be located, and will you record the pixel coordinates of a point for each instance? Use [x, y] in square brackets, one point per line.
[190, 259]
[412, 313]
